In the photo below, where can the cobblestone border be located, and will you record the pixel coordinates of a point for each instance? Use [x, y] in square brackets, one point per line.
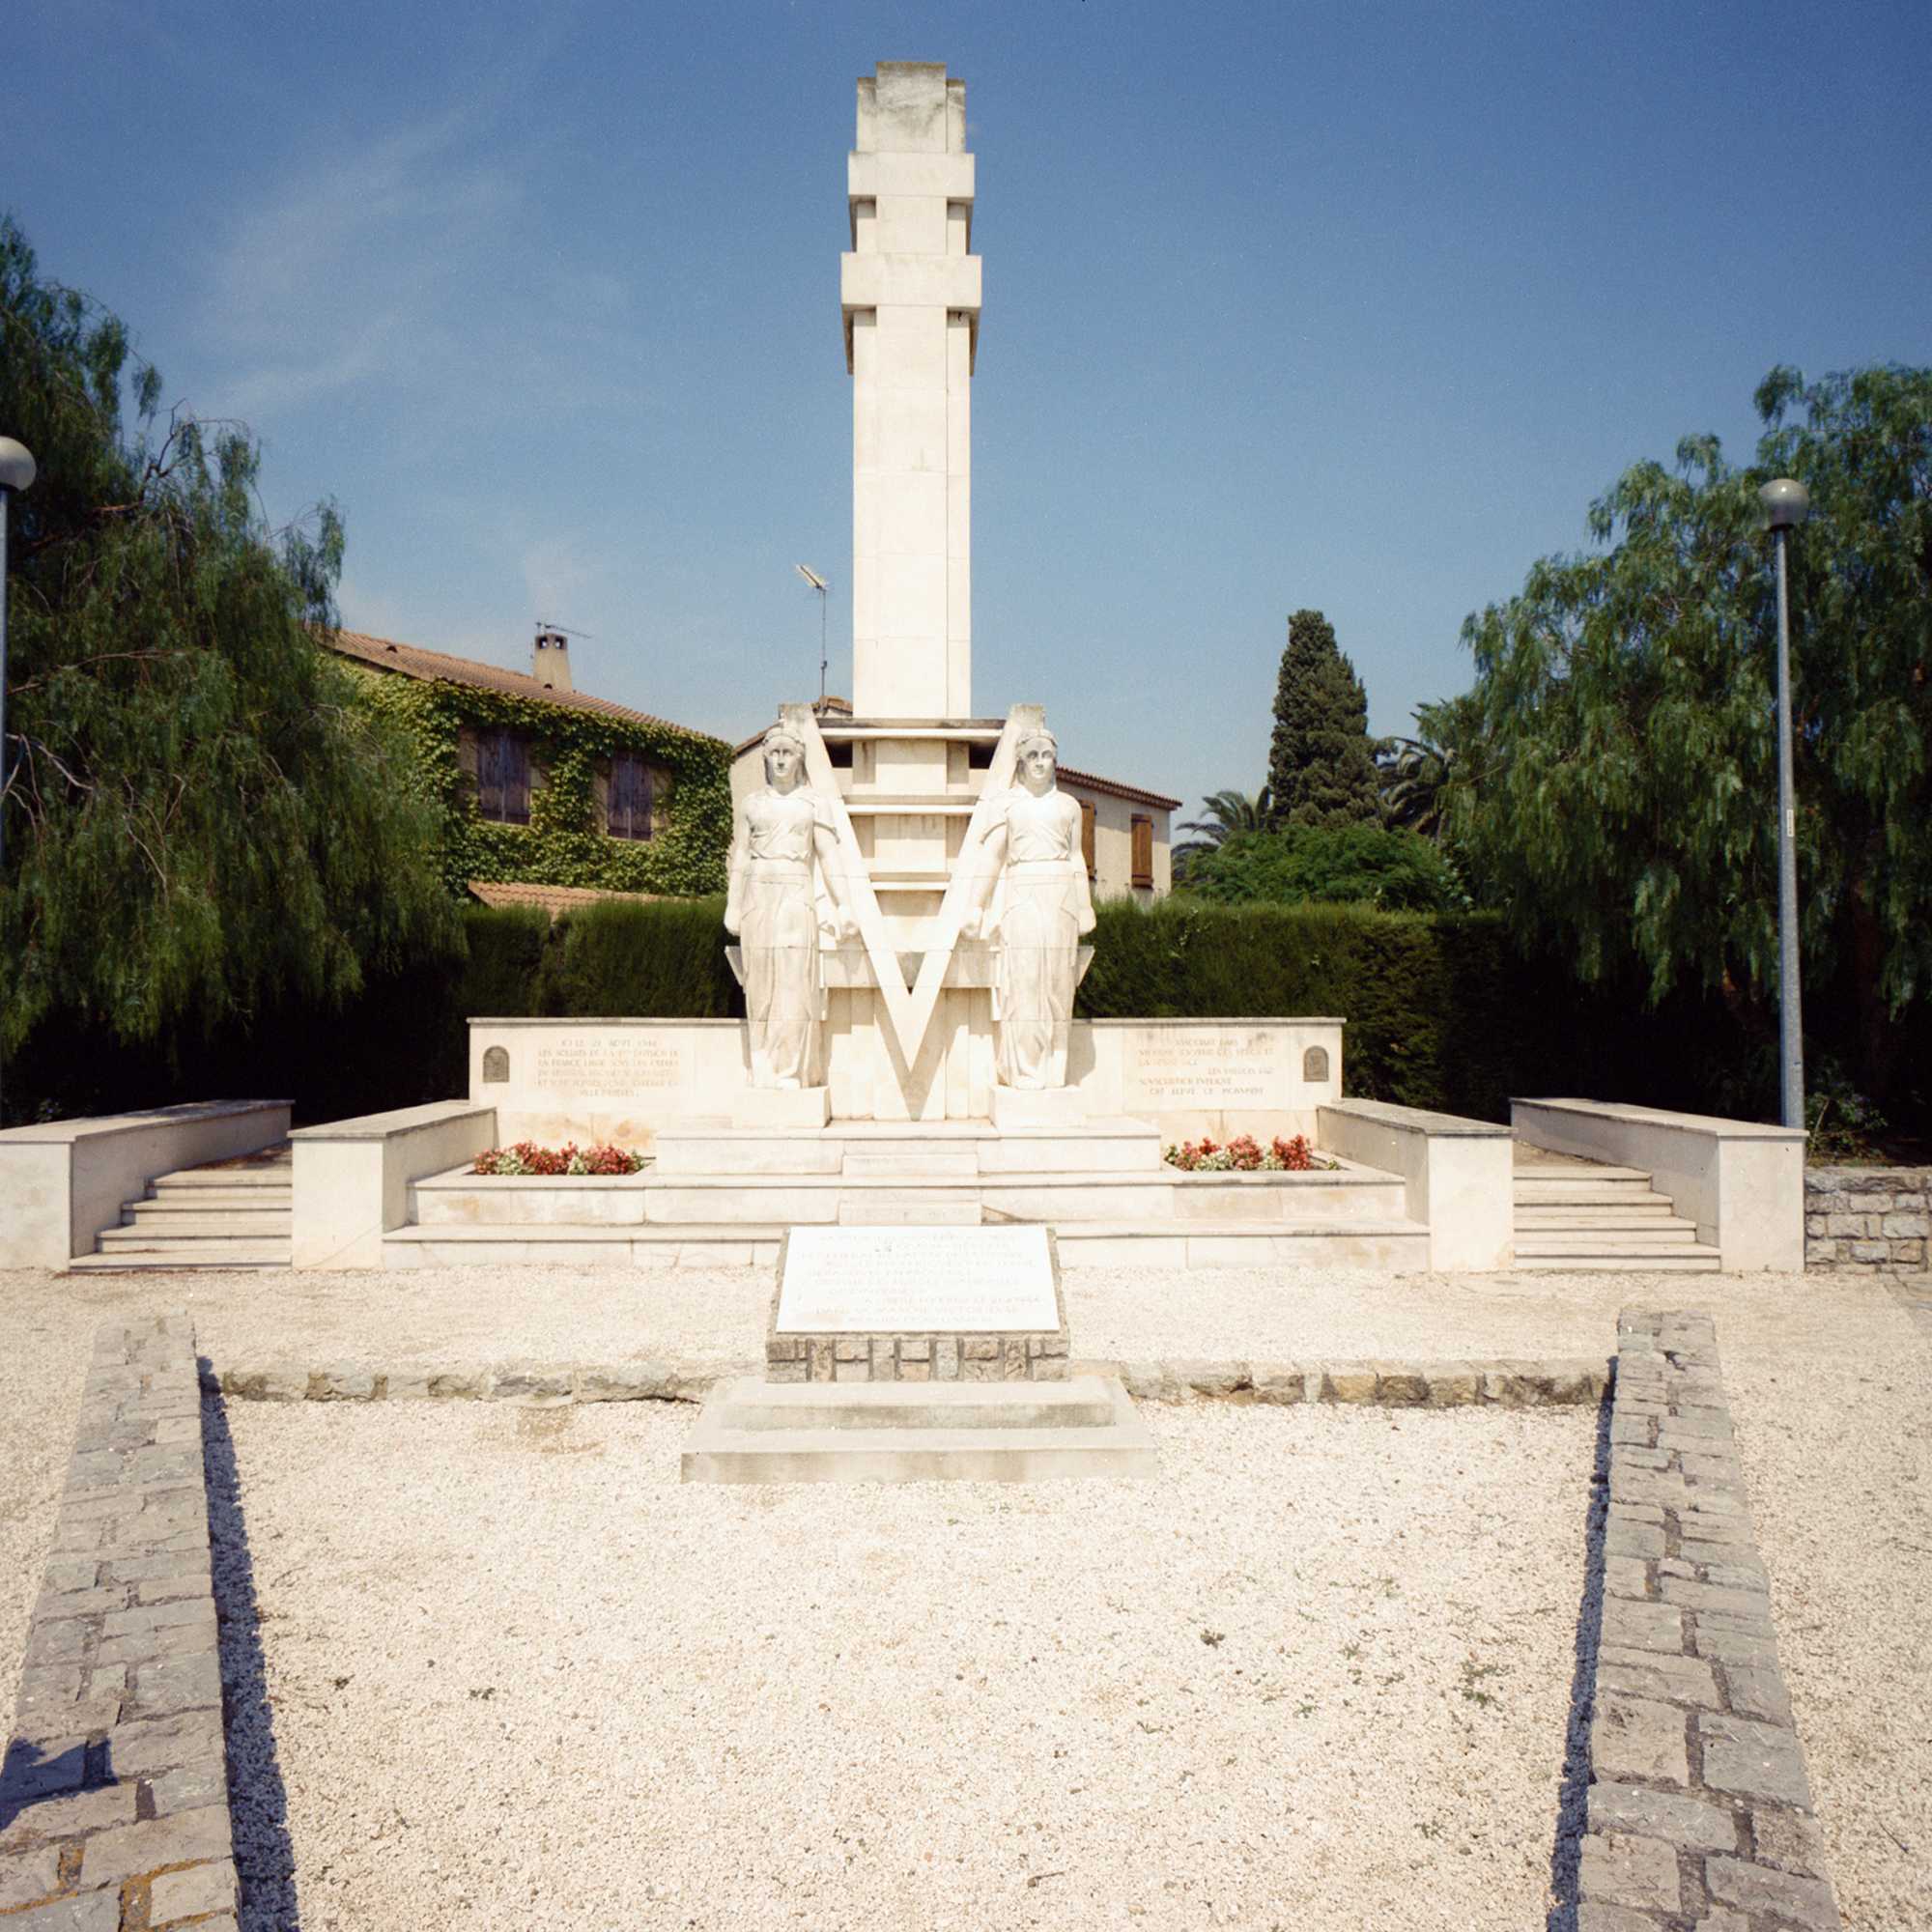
[1869, 1220]
[1699, 1810]
[1565, 1382]
[114, 1794]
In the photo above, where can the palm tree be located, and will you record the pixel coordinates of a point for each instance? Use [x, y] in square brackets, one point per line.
[1227, 813]
[1416, 772]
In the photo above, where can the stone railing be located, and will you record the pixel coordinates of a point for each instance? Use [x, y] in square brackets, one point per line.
[63, 1182]
[1873, 1218]
[1457, 1176]
[1741, 1183]
[352, 1178]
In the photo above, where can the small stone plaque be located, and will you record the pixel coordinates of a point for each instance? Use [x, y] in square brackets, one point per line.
[962, 1281]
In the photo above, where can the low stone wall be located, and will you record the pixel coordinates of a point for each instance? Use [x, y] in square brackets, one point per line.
[1564, 1382]
[1699, 1809]
[114, 1795]
[1874, 1218]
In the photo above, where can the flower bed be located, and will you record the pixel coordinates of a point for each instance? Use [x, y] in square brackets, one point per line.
[526, 1157]
[1244, 1155]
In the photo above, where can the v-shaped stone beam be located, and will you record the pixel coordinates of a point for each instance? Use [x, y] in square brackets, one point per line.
[958, 901]
[861, 901]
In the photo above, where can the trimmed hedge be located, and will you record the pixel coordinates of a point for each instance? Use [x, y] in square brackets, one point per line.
[1442, 1012]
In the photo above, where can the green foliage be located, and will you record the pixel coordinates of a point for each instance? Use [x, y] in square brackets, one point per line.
[562, 844]
[1413, 773]
[1396, 871]
[1227, 813]
[1619, 791]
[202, 825]
[661, 961]
[1322, 768]
[1442, 1012]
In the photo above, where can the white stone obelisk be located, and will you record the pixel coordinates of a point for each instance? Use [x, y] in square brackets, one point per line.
[910, 292]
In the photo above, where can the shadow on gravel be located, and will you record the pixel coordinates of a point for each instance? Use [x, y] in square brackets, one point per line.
[1574, 1794]
[258, 1801]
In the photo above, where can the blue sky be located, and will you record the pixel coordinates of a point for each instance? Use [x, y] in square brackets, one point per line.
[1346, 305]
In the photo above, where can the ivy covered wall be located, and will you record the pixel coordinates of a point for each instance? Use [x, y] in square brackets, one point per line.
[564, 843]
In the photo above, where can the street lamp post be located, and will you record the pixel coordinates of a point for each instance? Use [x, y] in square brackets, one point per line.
[16, 472]
[1786, 505]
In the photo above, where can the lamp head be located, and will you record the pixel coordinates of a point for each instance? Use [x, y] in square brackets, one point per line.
[17, 465]
[1786, 504]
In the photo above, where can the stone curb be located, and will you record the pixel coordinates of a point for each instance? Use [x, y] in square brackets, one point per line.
[114, 1792]
[1565, 1382]
[1699, 1807]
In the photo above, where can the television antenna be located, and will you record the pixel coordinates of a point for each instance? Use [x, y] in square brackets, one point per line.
[819, 584]
[545, 624]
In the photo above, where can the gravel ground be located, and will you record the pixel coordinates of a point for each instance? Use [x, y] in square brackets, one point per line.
[1319, 1670]
[1830, 1385]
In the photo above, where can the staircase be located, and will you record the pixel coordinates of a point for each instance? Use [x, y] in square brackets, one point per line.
[1575, 1215]
[232, 1214]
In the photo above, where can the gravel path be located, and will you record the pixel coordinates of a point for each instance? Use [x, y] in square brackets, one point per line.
[522, 1676]
[1830, 1385]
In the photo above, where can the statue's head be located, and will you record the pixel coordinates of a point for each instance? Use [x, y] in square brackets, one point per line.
[1038, 761]
[785, 758]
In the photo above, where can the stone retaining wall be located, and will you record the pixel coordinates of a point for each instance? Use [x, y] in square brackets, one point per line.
[1563, 1382]
[1874, 1218]
[114, 1795]
[1699, 1809]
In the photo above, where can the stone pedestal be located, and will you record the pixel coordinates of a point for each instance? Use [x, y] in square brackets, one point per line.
[1038, 1107]
[917, 1306]
[781, 1107]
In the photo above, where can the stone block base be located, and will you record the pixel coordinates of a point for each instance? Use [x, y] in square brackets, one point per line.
[1038, 1356]
[781, 1107]
[1038, 1107]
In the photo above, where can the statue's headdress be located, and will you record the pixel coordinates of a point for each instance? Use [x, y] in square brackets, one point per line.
[1039, 736]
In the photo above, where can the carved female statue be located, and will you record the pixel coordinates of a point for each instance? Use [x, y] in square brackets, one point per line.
[1042, 910]
[772, 906]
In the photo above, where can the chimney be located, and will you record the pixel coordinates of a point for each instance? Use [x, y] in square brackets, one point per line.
[550, 660]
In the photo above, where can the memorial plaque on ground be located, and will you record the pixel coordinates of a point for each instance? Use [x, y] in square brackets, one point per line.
[917, 1306]
[837, 1281]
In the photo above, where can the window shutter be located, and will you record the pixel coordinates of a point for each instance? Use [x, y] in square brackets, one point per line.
[629, 811]
[1086, 835]
[516, 755]
[1142, 851]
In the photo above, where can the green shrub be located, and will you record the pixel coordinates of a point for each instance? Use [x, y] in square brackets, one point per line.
[1396, 869]
[663, 959]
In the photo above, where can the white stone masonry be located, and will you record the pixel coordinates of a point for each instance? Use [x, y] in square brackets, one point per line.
[910, 293]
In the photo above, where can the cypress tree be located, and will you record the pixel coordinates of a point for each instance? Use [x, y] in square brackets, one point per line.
[1321, 767]
[203, 820]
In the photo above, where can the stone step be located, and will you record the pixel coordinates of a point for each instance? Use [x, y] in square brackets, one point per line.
[264, 1174]
[1101, 1143]
[732, 1244]
[864, 1164]
[1398, 1245]
[1704, 1261]
[1581, 1195]
[265, 1223]
[122, 1261]
[229, 1252]
[1613, 1243]
[1583, 1170]
[1635, 1215]
[206, 1199]
[1080, 1403]
[911, 1208]
[824, 1447]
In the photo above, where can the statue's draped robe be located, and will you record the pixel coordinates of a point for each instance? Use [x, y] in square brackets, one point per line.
[1042, 908]
[775, 906]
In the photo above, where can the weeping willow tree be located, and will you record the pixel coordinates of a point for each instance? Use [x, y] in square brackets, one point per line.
[1616, 784]
[202, 820]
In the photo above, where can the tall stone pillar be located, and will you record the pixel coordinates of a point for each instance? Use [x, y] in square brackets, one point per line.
[910, 292]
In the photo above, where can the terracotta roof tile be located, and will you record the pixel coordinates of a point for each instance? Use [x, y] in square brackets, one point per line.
[1114, 788]
[412, 661]
[555, 899]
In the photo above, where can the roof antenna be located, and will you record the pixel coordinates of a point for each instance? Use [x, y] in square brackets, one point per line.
[817, 583]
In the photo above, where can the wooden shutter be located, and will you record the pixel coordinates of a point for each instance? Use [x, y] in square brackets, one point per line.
[502, 778]
[629, 813]
[1086, 835]
[1143, 875]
